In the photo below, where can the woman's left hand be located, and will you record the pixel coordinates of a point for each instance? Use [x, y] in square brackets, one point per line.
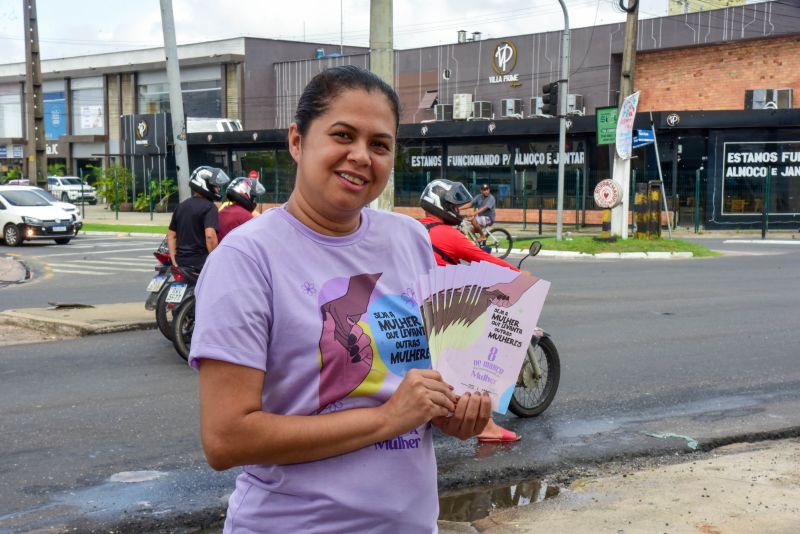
[473, 411]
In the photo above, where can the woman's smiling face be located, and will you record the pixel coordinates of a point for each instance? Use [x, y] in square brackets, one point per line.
[344, 159]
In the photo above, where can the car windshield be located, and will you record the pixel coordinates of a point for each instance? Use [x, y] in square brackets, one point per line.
[45, 194]
[24, 198]
[71, 181]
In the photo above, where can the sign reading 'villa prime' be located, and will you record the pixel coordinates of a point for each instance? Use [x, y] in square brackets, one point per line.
[504, 60]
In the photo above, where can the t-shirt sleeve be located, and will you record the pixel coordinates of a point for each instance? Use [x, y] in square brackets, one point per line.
[457, 246]
[490, 202]
[211, 219]
[233, 313]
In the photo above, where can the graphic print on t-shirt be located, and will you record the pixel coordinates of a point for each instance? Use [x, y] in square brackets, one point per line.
[368, 339]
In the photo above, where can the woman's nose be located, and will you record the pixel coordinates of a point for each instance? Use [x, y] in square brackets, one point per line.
[359, 154]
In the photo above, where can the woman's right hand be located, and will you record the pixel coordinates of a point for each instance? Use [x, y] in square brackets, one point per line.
[420, 397]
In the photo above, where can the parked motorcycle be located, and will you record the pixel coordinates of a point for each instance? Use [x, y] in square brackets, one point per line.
[540, 374]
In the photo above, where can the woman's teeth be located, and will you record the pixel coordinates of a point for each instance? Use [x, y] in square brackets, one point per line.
[351, 179]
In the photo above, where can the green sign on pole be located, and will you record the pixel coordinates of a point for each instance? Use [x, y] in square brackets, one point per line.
[606, 125]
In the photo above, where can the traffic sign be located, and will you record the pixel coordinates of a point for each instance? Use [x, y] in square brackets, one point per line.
[642, 138]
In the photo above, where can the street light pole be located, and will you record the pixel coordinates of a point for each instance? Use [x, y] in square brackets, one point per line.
[563, 91]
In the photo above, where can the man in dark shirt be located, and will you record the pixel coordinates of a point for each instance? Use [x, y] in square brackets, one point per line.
[483, 213]
[192, 231]
[242, 195]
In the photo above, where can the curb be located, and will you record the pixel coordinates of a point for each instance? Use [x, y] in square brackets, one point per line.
[120, 234]
[12, 270]
[609, 255]
[64, 326]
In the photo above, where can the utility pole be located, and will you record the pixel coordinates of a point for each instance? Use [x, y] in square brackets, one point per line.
[175, 100]
[563, 89]
[37, 157]
[622, 167]
[381, 62]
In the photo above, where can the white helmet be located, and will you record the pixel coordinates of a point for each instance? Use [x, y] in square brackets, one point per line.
[442, 199]
[244, 191]
[208, 181]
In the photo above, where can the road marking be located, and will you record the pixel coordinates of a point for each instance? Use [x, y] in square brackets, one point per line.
[77, 264]
[92, 273]
[103, 262]
[98, 252]
[149, 261]
[764, 241]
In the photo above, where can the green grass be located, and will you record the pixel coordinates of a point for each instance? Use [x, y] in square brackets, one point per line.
[589, 245]
[126, 228]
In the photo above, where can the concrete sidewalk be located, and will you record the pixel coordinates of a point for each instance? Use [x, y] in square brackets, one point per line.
[741, 488]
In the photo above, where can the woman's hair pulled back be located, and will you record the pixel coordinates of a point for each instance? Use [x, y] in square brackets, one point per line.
[330, 83]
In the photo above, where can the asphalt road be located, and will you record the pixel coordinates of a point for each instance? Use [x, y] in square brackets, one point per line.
[655, 354]
[89, 270]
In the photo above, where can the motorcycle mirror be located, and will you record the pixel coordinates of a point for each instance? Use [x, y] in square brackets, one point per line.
[533, 250]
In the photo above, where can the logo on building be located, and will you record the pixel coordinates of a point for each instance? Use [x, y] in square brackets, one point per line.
[504, 60]
[142, 129]
[673, 119]
[423, 131]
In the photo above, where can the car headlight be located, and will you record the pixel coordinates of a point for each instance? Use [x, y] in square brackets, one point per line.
[32, 221]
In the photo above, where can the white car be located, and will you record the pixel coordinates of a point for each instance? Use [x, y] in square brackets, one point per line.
[71, 189]
[26, 215]
[72, 209]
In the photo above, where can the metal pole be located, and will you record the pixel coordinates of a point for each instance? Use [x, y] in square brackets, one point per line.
[661, 177]
[563, 89]
[765, 205]
[633, 204]
[148, 190]
[116, 195]
[524, 203]
[83, 198]
[540, 214]
[175, 100]
[577, 195]
[697, 201]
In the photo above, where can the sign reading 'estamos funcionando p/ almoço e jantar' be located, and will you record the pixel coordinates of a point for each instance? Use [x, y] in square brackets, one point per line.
[761, 159]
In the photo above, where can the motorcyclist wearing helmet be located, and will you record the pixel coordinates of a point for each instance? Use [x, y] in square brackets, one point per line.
[241, 193]
[441, 201]
[192, 231]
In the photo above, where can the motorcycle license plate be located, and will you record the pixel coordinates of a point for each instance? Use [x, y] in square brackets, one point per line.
[176, 292]
[156, 283]
[59, 228]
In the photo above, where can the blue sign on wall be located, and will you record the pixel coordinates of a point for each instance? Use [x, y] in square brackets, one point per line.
[55, 115]
[643, 137]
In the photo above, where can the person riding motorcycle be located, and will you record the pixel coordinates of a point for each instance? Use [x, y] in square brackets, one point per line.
[441, 201]
[241, 194]
[192, 231]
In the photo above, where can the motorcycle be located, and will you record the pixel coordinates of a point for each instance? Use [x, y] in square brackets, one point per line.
[540, 374]
[158, 288]
[181, 295]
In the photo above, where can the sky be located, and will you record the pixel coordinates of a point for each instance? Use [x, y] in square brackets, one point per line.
[79, 27]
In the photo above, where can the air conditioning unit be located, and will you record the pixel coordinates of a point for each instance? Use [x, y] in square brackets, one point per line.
[444, 112]
[462, 106]
[536, 106]
[481, 110]
[768, 99]
[511, 107]
[575, 105]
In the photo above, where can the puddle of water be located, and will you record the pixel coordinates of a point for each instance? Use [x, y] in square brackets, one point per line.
[468, 506]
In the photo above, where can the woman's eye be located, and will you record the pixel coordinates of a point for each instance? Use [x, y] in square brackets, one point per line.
[342, 135]
[380, 145]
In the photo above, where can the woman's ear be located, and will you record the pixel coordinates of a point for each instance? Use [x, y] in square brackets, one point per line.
[295, 142]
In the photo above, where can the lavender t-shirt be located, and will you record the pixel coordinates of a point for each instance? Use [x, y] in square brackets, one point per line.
[333, 323]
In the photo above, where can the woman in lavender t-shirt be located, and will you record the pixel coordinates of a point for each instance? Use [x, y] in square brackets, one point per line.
[314, 367]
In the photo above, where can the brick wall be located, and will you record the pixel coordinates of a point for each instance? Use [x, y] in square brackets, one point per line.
[716, 76]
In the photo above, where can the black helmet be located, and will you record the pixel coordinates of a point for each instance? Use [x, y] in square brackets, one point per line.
[442, 198]
[208, 181]
[244, 191]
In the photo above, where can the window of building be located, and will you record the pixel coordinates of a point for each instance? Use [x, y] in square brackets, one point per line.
[55, 110]
[11, 110]
[201, 89]
[416, 164]
[88, 114]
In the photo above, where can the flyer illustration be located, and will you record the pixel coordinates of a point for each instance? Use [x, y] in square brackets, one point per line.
[479, 319]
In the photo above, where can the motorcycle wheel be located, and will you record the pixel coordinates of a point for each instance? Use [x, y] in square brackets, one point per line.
[531, 396]
[162, 313]
[183, 327]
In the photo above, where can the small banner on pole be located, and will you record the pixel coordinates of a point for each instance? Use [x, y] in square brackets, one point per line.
[625, 126]
[606, 124]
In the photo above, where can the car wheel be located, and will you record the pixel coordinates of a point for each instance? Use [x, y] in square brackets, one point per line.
[11, 235]
[93, 202]
[63, 240]
[64, 197]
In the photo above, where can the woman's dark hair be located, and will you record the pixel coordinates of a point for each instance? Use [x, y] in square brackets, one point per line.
[330, 83]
